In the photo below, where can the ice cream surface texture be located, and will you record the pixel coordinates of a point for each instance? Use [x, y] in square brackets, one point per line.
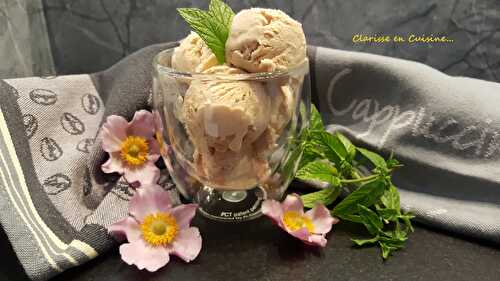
[265, 40]
[223, 120]
[193, 55]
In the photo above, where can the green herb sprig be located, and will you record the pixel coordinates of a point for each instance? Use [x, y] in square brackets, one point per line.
[212, 25]
[374, 202]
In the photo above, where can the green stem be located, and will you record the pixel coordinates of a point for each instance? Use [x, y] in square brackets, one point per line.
[359, 179]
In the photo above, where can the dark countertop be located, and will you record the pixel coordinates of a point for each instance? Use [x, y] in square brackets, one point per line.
[258, 250]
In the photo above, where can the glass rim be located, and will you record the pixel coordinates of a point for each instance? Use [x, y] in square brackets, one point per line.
[298, 69]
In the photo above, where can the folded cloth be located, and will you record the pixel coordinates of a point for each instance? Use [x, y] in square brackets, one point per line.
[55, 202]
[445, 130]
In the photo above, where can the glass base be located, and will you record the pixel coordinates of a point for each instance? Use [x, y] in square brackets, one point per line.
[230, 205]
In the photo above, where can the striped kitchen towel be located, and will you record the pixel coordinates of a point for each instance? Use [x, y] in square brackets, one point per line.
[55, 202]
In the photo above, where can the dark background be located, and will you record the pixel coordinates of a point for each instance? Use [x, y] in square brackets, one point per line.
[90, 35]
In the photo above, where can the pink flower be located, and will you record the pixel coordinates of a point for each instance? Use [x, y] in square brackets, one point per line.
[132, 148]
[155, 230]
[310, 227]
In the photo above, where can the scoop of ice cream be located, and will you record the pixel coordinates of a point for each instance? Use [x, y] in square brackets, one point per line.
[228, 169]
[223, 118]
[193, 55]
[265, 40]
[224, 113]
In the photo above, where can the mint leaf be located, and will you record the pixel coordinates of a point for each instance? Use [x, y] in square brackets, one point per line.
[389, 214]
[325, 196]
[386, 250]
[366, 195]
[310, 154]
[373, 157]
[316, 121]
[390, 199]
[290, 166]
[212, 25]
[390, 244]
[370, 219]
[221, 12]
[319, 170]
[330, 146]
[361, 242]
[335, 159]
[349, 147]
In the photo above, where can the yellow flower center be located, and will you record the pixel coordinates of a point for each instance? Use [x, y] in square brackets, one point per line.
[295, 221]
[159, 229]
[134, 150]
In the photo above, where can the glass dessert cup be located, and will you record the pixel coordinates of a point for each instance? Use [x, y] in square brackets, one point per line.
[229, 138]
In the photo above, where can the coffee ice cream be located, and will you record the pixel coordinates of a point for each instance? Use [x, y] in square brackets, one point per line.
[265, 40]
[223, 120]
[234, 123]
[193, 55]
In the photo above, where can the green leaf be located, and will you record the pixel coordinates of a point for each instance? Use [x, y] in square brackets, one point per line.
[407, 220]
[373, 157]
[349, 147]
[308, 156]
[366, 195]
[390, 199]
[321, 171]
[370, 219]
[316, 121]
[388, 214]
[386, 250]
[392, 162]
[330, 146]
[221, 12]
[212, 26]
[325, 196]
[351, 217]
[290, 165]
[395, 242]
[361, 242]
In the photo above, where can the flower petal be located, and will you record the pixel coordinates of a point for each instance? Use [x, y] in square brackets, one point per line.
[114, 132]
[321, 219]
[113, 165]
[142, 124]
[149, 199]
[154, 150]
[144, 256]
[301, 234]
[317, 240]
[187, 244]
[127, 227]
[148, 173]
[183, 214]
[272, 209]
[293, 203]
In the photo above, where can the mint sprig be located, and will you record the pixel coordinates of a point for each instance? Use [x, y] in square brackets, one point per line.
[212, 25]
[374, 201]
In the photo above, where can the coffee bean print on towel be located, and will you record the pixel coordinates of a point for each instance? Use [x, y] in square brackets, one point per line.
[50, 150]
[30, 125]
[84, 145]
[56, 183]
[72, 124]
[43, 97]
[90, 104]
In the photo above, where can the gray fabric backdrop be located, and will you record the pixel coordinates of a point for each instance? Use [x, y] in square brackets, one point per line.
[24, 44]
[91, 35]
